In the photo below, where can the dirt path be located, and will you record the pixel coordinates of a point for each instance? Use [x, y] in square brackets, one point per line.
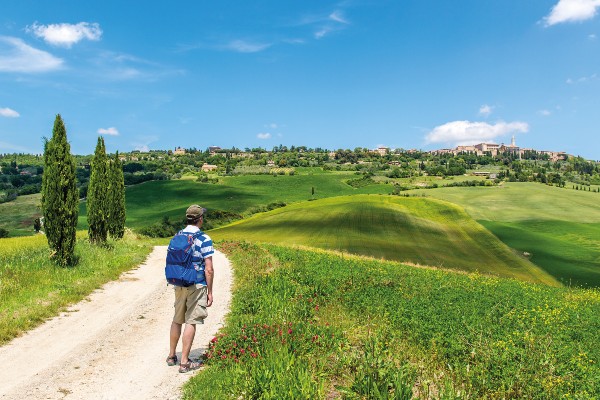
[112, 345]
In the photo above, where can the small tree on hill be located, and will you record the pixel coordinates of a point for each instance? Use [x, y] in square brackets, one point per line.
[116, 224]
[37, 225]
[60, 205]
[98, 207]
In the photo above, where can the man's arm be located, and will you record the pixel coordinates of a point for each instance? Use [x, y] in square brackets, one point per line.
[209, 273]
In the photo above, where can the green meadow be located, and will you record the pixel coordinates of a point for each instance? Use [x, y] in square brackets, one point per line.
[17, 216]
[416, 230]
[310, 324]
[149, 202]
[558, 227]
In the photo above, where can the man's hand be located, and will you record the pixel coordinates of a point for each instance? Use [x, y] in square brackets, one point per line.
[209, 300]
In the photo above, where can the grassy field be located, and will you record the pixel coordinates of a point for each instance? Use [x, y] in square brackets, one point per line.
[513, 202]
[568, 251]
[17, 216]
[315, 325]
[416, 230]
[33, 289]
[149, 202]
[559, 228]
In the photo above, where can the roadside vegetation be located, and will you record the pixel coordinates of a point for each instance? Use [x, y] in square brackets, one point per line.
[312, 324]
[33, 288]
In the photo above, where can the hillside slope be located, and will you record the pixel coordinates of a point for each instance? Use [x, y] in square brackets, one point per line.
[416, 230]
[558, 227]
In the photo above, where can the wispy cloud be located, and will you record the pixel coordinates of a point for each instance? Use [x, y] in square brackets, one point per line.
[592, 36]
[143, 142]
[243, 46]
[112, 131]
[66, 35]
[17, 56]
[545, 113]
[9, 113]
[324, 24]
[338, 16]
[264, 135]
[582, 79]
[572, 11]
[122, 67]
[467, 132]
[272, 125]
[5, 146]
[485, 110]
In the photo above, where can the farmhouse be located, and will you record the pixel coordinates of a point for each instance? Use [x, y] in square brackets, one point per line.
[179, 151]
[208, 167]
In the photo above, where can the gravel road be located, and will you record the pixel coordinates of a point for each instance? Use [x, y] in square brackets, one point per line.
[112, 345]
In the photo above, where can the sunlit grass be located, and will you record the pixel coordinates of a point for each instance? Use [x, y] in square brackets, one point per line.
[362, 328]
[416, 230]
[33, 288]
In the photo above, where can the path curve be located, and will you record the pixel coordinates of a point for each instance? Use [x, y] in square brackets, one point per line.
[112, 345]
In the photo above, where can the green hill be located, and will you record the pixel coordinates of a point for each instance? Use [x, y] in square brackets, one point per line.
[559, 228]
[416, 230]
[149, 202]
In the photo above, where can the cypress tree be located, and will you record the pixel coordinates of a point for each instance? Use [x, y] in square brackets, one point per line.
[98, 207]
[116, 224]
[60, 201]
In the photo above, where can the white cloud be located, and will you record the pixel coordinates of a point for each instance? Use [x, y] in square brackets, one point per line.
[582, 79]
[242, 46]
[143, 142]
[265, 135]
[112, 131]
[485, 110]
[337, 16]
[572, 11]
[65, 35]
[592, 36]
[467, 132]
[142, 147]
[272, 125]
[17, 56]
[8, 113]
[545, 113]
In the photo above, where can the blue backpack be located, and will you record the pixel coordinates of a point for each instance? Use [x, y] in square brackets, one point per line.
[179, 269]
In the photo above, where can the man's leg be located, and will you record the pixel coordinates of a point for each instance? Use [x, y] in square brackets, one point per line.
[188, 338]
[174, 338]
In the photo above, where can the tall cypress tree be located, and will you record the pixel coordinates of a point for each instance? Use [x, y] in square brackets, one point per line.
[60, 200]
[98, 207]
[116, 224]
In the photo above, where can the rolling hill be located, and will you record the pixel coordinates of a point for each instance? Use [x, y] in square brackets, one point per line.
[421, 231]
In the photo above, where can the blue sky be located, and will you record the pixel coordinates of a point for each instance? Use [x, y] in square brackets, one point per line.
[334, 74]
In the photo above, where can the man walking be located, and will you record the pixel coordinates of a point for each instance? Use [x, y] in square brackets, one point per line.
[191, 301]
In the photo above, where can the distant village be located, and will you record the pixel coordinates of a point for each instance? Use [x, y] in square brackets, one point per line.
[481, 149]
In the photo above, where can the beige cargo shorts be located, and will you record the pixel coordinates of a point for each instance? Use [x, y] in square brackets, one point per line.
[190, 304]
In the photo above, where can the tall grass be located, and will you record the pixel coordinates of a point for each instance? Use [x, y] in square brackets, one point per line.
[361, 328]
[33, 288]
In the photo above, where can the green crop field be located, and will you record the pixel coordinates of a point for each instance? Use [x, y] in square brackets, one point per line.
[149, 202]
[315, 325]
[559, 228]
[421, 231]
[512, 202]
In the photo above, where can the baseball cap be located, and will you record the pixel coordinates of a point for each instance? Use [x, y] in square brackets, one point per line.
[194, 211]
